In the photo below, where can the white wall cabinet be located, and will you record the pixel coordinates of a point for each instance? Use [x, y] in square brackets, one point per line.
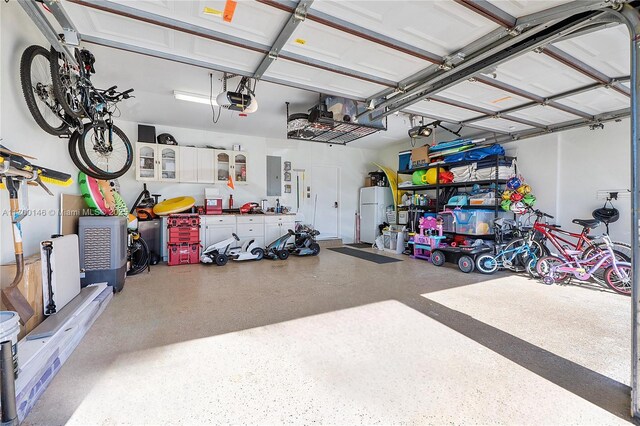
[231, 163]
[187, 164]
[218, 228]
[169, 156]
[206, 165]
[196, 165]
[157, 162]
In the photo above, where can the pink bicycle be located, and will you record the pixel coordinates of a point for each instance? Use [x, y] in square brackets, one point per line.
[617, 275]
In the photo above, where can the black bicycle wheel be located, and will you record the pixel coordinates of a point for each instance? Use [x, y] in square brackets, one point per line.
[37, 89]
[67, 83]
[73, 153]
[139, 257]
[108, 154]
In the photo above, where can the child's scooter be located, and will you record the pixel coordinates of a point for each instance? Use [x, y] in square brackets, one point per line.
[249, 251]
[218, 253]
[304, 243]
[278, 248]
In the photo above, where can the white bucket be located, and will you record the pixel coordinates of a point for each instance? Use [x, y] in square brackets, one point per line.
[9, 330]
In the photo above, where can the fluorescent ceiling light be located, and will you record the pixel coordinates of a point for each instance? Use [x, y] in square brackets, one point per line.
[192, 97]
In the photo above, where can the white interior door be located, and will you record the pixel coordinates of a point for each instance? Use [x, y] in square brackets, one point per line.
[326, 186]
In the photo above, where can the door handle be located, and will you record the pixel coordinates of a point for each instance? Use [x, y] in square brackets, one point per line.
[335, 204]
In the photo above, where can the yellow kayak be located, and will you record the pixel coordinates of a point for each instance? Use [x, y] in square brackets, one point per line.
[174, 205]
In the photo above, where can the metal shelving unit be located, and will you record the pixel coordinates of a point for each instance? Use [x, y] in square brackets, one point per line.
[438, 186]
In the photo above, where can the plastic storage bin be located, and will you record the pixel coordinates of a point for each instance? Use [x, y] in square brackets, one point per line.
[404, 160]
[448, 221]
[474, 222]
[486, 199]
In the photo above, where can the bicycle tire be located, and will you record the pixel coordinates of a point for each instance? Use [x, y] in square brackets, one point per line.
[486, 264]
[540, 251]
[621, 250]
[105, 174]
[542, 268]
[61, 90]
[77, 161]
[140, 264]
[612, 279]
[26, 60]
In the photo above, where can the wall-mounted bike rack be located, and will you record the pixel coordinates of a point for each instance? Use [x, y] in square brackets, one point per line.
[70, 35]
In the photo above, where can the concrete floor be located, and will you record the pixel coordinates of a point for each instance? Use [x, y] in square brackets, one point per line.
[339, 340]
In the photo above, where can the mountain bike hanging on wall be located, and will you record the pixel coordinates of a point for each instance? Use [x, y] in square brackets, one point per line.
[61, 98]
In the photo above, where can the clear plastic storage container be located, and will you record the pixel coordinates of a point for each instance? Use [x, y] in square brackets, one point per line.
[474, 222]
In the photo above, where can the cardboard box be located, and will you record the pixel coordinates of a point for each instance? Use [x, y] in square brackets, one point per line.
[420, 156]
[367, 181]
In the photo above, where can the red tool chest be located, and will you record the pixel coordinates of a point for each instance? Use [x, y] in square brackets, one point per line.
[184, 239]
[183, 254]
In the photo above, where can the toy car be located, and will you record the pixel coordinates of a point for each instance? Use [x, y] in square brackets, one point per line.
[278, 248]
[304, 243]
[464, 256]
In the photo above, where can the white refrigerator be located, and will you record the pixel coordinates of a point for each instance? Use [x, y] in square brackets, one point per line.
[374, 201]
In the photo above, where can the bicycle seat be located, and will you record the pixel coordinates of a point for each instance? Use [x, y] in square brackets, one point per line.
[587, 223]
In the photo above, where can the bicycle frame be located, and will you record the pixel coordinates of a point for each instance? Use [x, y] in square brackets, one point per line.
[552, 234]
[576, 265]
[501, 257]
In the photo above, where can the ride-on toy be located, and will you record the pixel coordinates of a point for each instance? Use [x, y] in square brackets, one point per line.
[220, 253]
[304, 243]
[250, 250]
[278, 248]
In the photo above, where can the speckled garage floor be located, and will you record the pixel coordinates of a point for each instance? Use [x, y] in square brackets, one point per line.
[338, 340]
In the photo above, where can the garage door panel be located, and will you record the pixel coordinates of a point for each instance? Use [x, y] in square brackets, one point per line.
[518, 8]
[540, 74]
[482, 95]
[606, 50]
[597, 101]
[251, 21]
[544, 115]
[115, 27]
[329, 45]
[323, 80]
[439, 109]
[502, 125]
[427, 25]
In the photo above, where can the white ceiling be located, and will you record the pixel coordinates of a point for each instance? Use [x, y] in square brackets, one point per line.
[439, 27]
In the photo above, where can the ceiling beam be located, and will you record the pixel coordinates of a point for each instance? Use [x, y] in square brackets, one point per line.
[493, 13]
[486, 113]
[589, 71]
[497, 56]
[540, 100]
[297, 16]
[356, 30]
[33, 11]
[489, 11]
[550, 100]
[567, 125]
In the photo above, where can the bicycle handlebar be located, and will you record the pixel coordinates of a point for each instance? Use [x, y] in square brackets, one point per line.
[542, 214]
